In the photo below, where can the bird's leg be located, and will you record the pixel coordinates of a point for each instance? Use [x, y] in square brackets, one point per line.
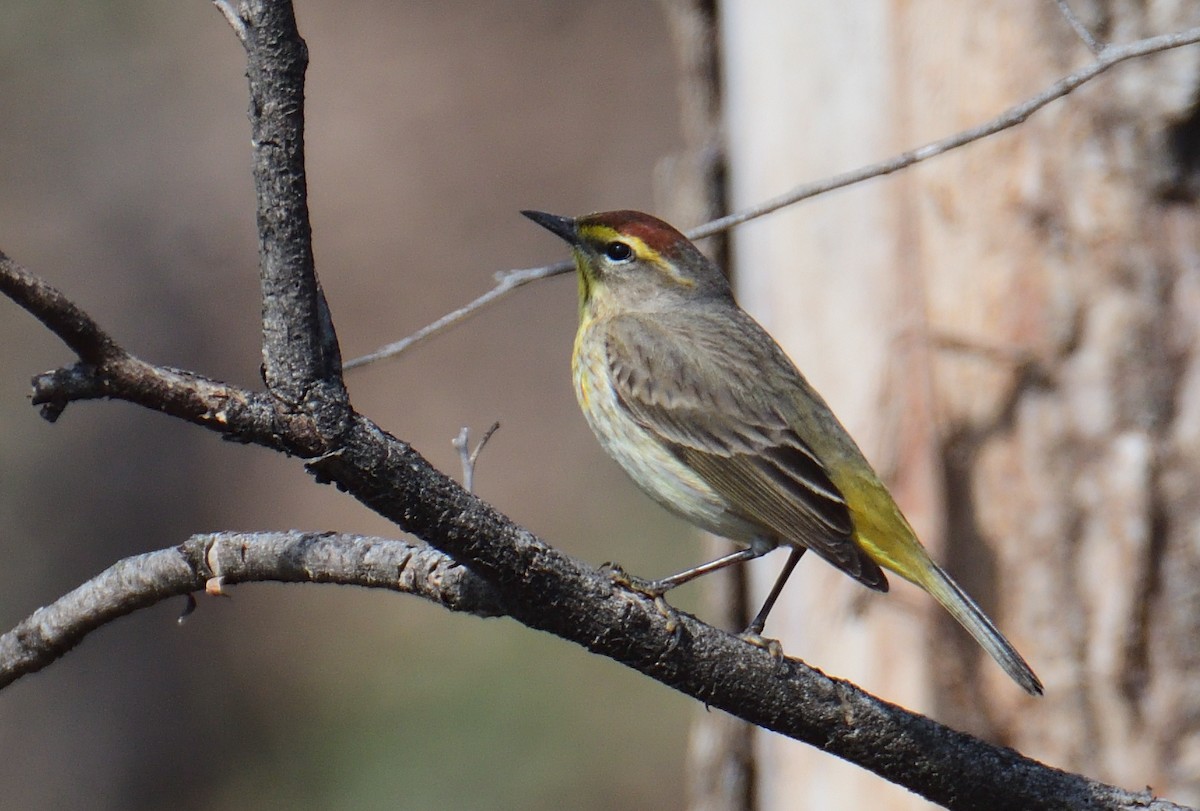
[657, 588]
[760, 619]
[753, 632]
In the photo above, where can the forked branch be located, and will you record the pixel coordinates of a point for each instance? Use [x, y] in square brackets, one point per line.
[504, 568]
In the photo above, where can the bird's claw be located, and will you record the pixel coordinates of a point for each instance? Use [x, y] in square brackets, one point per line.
[674, 623]
[771, 646]
[615, 571]
[654, 589]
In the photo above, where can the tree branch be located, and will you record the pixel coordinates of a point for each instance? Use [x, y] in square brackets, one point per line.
[1081, 30]
[73, 326]
[305, 412]
[523, 577]
[301, 359]
[720, 669]
[1109, 57]
[290, 557]
[506, 283]
[106, 370]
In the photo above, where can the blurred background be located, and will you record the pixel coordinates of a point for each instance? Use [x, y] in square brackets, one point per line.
[125, 170]
[1067, 501]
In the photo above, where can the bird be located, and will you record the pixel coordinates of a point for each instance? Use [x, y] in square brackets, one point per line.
[711, 419]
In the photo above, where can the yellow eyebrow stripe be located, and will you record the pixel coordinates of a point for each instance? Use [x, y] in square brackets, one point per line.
[600, 234]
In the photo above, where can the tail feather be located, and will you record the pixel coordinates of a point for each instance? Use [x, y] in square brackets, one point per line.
[971, 617]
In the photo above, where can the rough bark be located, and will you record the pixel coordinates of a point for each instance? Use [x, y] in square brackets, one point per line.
[305, 412]
[1011, 332]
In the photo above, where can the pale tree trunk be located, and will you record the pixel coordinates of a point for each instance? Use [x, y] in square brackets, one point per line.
[1011, 331]
[692, 190]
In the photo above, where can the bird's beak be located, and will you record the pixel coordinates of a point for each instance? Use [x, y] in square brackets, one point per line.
[562, 226]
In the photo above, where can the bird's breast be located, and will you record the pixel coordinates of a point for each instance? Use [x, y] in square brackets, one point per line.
[644, 456]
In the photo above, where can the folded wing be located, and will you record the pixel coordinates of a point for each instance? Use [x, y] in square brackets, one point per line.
[725, 410]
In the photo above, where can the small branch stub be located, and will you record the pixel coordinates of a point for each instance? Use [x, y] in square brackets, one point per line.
[468, 457]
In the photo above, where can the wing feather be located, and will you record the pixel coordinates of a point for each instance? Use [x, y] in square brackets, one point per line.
[724, 404]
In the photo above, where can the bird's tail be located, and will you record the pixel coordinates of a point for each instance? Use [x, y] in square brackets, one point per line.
[971, 617]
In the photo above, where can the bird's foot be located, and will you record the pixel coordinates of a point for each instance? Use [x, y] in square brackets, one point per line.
[771, 646]
[653, 589]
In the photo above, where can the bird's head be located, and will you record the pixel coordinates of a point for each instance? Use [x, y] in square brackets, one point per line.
[628, 260]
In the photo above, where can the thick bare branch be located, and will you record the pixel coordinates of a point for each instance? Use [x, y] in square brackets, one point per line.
[301, 359]
[532, 582]
[946, 766]
[548, 590]
[106, 370]
[73, 326]
[292, 557]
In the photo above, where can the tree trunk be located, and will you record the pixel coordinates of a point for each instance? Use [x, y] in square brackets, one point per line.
[692, 190]
[1010, 331]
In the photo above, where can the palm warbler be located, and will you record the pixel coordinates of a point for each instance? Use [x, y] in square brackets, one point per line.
[709, 417]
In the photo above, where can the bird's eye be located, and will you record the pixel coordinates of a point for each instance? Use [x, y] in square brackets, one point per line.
[618, 251]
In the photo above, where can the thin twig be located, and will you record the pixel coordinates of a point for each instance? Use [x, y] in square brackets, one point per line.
[1107, 57]
[1110, 56]
[233, 18]
[461, 443]
[550, 591]
[468, 457]
[506, 282]
[1081, 30]
[487, 435]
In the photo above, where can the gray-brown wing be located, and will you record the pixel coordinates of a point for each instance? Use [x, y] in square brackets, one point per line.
[720, 402]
